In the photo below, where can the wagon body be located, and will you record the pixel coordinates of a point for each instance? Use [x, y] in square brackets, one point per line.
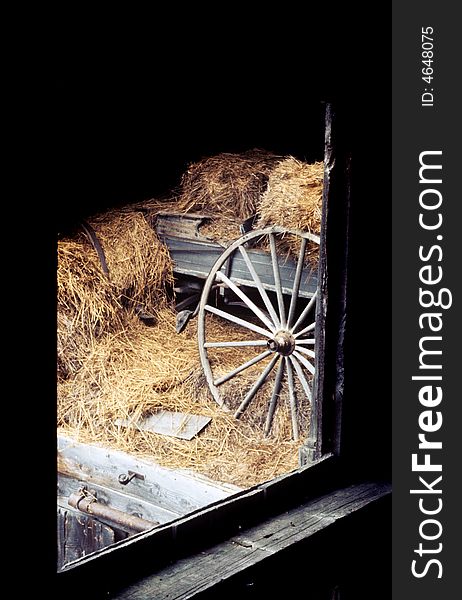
[194, 255]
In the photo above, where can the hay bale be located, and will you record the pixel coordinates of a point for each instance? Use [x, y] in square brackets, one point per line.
[90, 304]
[229, 184]
[139, 264]
[279, 190]
[87, 303]
[293, 199]
[293, 196]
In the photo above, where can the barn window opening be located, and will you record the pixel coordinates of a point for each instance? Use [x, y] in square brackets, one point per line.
[188, 346]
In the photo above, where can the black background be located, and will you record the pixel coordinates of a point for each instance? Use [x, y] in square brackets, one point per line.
[127, 133]
[129, 108]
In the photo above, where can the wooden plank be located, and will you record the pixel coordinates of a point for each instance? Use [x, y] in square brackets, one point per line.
[178, 491]
[125, 502]
[196, 259]
[196, 574]
[293, 526]
[207, 526]
[97, 535]
[73, 537]
[61, 518]
[193, 577]
[80, 535]
[180, 225]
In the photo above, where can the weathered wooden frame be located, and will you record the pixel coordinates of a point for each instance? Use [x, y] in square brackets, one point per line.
[326, 413]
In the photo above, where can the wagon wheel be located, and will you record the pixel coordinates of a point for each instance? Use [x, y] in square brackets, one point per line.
[275, 325]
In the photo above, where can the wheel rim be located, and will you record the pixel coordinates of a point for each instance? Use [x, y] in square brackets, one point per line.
[276, 329]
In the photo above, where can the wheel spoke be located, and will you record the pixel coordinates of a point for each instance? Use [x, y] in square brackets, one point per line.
[257, 385]
[305, 312]
[310, 327]
[235, 344]
[237, 321]
[296, 286]
[306, 363]
[277, 281]
[253, 307]
[242, 367]
[261, 289]
[308, 342]
[274, 397]
[292, 398]
[301, 376]
[305, 351]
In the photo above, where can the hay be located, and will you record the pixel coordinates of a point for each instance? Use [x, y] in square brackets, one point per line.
[293, 199]
[279, 190]
[221, 230]
[139, 265]
[91, 304]
[229, 188]
[88, 305]
[231, 184]
[141, 369]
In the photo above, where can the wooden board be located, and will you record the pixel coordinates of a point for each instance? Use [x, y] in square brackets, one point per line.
[196, 574]
[79, 535]
[180, 225]
[176, 491]
[196, 258]
[125, 501]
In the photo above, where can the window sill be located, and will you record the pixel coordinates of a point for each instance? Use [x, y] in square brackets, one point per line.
[143, 569]
[191, 576]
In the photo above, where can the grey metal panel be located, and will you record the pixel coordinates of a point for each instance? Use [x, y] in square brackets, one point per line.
[196, 258]
[177, 424]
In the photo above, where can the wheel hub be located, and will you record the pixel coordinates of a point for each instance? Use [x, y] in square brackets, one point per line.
[283, 342]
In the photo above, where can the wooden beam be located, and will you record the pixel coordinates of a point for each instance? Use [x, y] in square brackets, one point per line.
[331, 315]
[174, 490]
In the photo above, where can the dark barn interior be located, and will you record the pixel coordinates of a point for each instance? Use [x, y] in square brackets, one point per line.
[125, 131]
[136, 134]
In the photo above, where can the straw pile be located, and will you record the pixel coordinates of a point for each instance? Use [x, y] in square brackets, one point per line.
[230, 188]
[90, 304]
[293, 196]
[275, 190]
[87, 303]
[138, 370]
[293, 199]
[139, 265]
[231, 184]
